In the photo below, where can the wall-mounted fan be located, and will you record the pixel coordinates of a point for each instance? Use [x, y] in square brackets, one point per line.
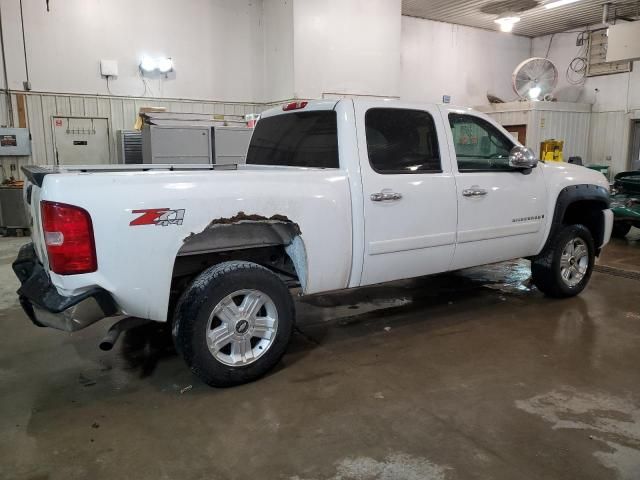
[535, 78]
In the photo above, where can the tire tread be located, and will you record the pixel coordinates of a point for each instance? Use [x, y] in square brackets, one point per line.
[189, 306]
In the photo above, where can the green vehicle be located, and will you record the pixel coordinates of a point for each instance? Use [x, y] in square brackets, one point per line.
[625, 202]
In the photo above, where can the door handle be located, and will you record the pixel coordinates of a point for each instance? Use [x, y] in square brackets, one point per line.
[474, 191]
[384, 196]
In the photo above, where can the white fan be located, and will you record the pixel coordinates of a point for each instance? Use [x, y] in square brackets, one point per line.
[535, 78]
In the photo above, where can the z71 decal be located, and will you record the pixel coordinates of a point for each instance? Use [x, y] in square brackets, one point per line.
[158, 216]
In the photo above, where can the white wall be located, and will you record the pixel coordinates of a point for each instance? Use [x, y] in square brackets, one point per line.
[278, 49]
[464, 62]
[615, 105]
[216, 46]
[616, 92]
[346, 47]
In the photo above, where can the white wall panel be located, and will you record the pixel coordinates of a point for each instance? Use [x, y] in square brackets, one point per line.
[463, 62]
[278, 49]
[346, 47]
[216, 46]
[609, 139]
[4, 113]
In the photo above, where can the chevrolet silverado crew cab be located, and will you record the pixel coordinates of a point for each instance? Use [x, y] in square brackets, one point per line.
[334, 195]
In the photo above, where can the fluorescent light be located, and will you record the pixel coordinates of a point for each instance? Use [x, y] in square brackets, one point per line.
[148, 64]
[534, 92]
[165, 65]
[161, 64]
[507, 22]
[558, 3]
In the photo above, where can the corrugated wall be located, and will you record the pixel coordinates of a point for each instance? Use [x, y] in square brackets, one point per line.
[120, 111]
[609, 143]
[572, 127]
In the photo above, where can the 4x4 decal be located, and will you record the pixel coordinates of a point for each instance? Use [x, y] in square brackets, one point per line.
[158, 216]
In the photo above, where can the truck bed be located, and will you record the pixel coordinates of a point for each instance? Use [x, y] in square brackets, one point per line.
[36, 173]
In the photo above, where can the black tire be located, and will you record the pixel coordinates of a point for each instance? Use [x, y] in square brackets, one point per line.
[546, 267]
[620, 229]
[196, 304]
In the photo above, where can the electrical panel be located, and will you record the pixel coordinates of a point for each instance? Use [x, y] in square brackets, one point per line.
[624, 42]
[597, 60]
[15, 142]
[81, 140]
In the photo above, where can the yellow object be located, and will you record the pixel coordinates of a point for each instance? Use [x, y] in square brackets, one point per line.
[551, 150]
[139, 121]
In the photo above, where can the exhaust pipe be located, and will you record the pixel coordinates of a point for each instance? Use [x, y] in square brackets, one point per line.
[117, 328]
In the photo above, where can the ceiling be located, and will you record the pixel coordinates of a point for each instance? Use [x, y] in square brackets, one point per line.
[535, 19]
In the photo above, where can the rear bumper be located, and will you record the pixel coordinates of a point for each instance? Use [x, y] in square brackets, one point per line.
[45, 307]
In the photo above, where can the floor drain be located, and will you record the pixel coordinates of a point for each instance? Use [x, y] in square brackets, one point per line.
[617, 272]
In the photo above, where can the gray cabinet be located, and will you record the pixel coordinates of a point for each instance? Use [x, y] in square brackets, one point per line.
[205, 144]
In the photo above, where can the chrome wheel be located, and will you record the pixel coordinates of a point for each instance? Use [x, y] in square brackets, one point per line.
[242, 327]
[574, 262]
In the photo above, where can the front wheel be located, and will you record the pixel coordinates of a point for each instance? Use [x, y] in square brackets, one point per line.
[564, 267]
[233, 323]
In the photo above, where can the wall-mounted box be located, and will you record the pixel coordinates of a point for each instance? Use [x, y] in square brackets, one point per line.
[15, 142]
[623, 42]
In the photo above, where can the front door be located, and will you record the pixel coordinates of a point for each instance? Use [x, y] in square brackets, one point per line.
[409, 190]
[501, 211]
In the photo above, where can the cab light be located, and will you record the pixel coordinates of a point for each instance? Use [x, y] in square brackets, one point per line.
[295, 106]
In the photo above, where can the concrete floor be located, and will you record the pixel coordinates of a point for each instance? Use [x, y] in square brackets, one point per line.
[462, 376]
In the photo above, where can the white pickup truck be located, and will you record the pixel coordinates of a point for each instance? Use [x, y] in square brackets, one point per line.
[335, 195]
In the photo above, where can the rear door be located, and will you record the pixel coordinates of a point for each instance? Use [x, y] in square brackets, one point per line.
[409, 190]
[501, 211]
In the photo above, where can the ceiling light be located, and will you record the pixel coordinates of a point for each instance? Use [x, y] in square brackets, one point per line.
[559, 3]
[507, 21]
[534, 93]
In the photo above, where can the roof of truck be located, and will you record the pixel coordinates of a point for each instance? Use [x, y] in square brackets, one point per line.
[311, 105]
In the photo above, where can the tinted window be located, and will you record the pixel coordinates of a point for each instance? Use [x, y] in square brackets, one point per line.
[401, 141]
[479, 145]
[301, 139]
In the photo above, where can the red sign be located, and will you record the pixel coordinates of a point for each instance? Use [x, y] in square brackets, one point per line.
[58, 122]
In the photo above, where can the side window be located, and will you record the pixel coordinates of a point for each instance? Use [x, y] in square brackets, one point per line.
[402, 141]
[479, 145]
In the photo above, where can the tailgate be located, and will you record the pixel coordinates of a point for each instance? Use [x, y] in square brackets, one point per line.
[31, 196]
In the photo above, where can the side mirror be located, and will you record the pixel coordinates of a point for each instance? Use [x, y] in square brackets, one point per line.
[522, 157]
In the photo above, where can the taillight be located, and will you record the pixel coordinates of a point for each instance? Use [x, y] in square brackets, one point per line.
[295, 105]
[68, 235]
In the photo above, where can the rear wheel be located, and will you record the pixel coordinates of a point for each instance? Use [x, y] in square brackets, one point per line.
[233, 323]
[564, 268]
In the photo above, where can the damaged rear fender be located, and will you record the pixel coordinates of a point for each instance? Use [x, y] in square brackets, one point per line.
[247, 231]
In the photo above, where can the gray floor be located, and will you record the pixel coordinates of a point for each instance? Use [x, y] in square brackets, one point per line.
[463, 376]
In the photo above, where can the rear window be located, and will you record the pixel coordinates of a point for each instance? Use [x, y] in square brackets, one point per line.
[402, 141]
[301, 139]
